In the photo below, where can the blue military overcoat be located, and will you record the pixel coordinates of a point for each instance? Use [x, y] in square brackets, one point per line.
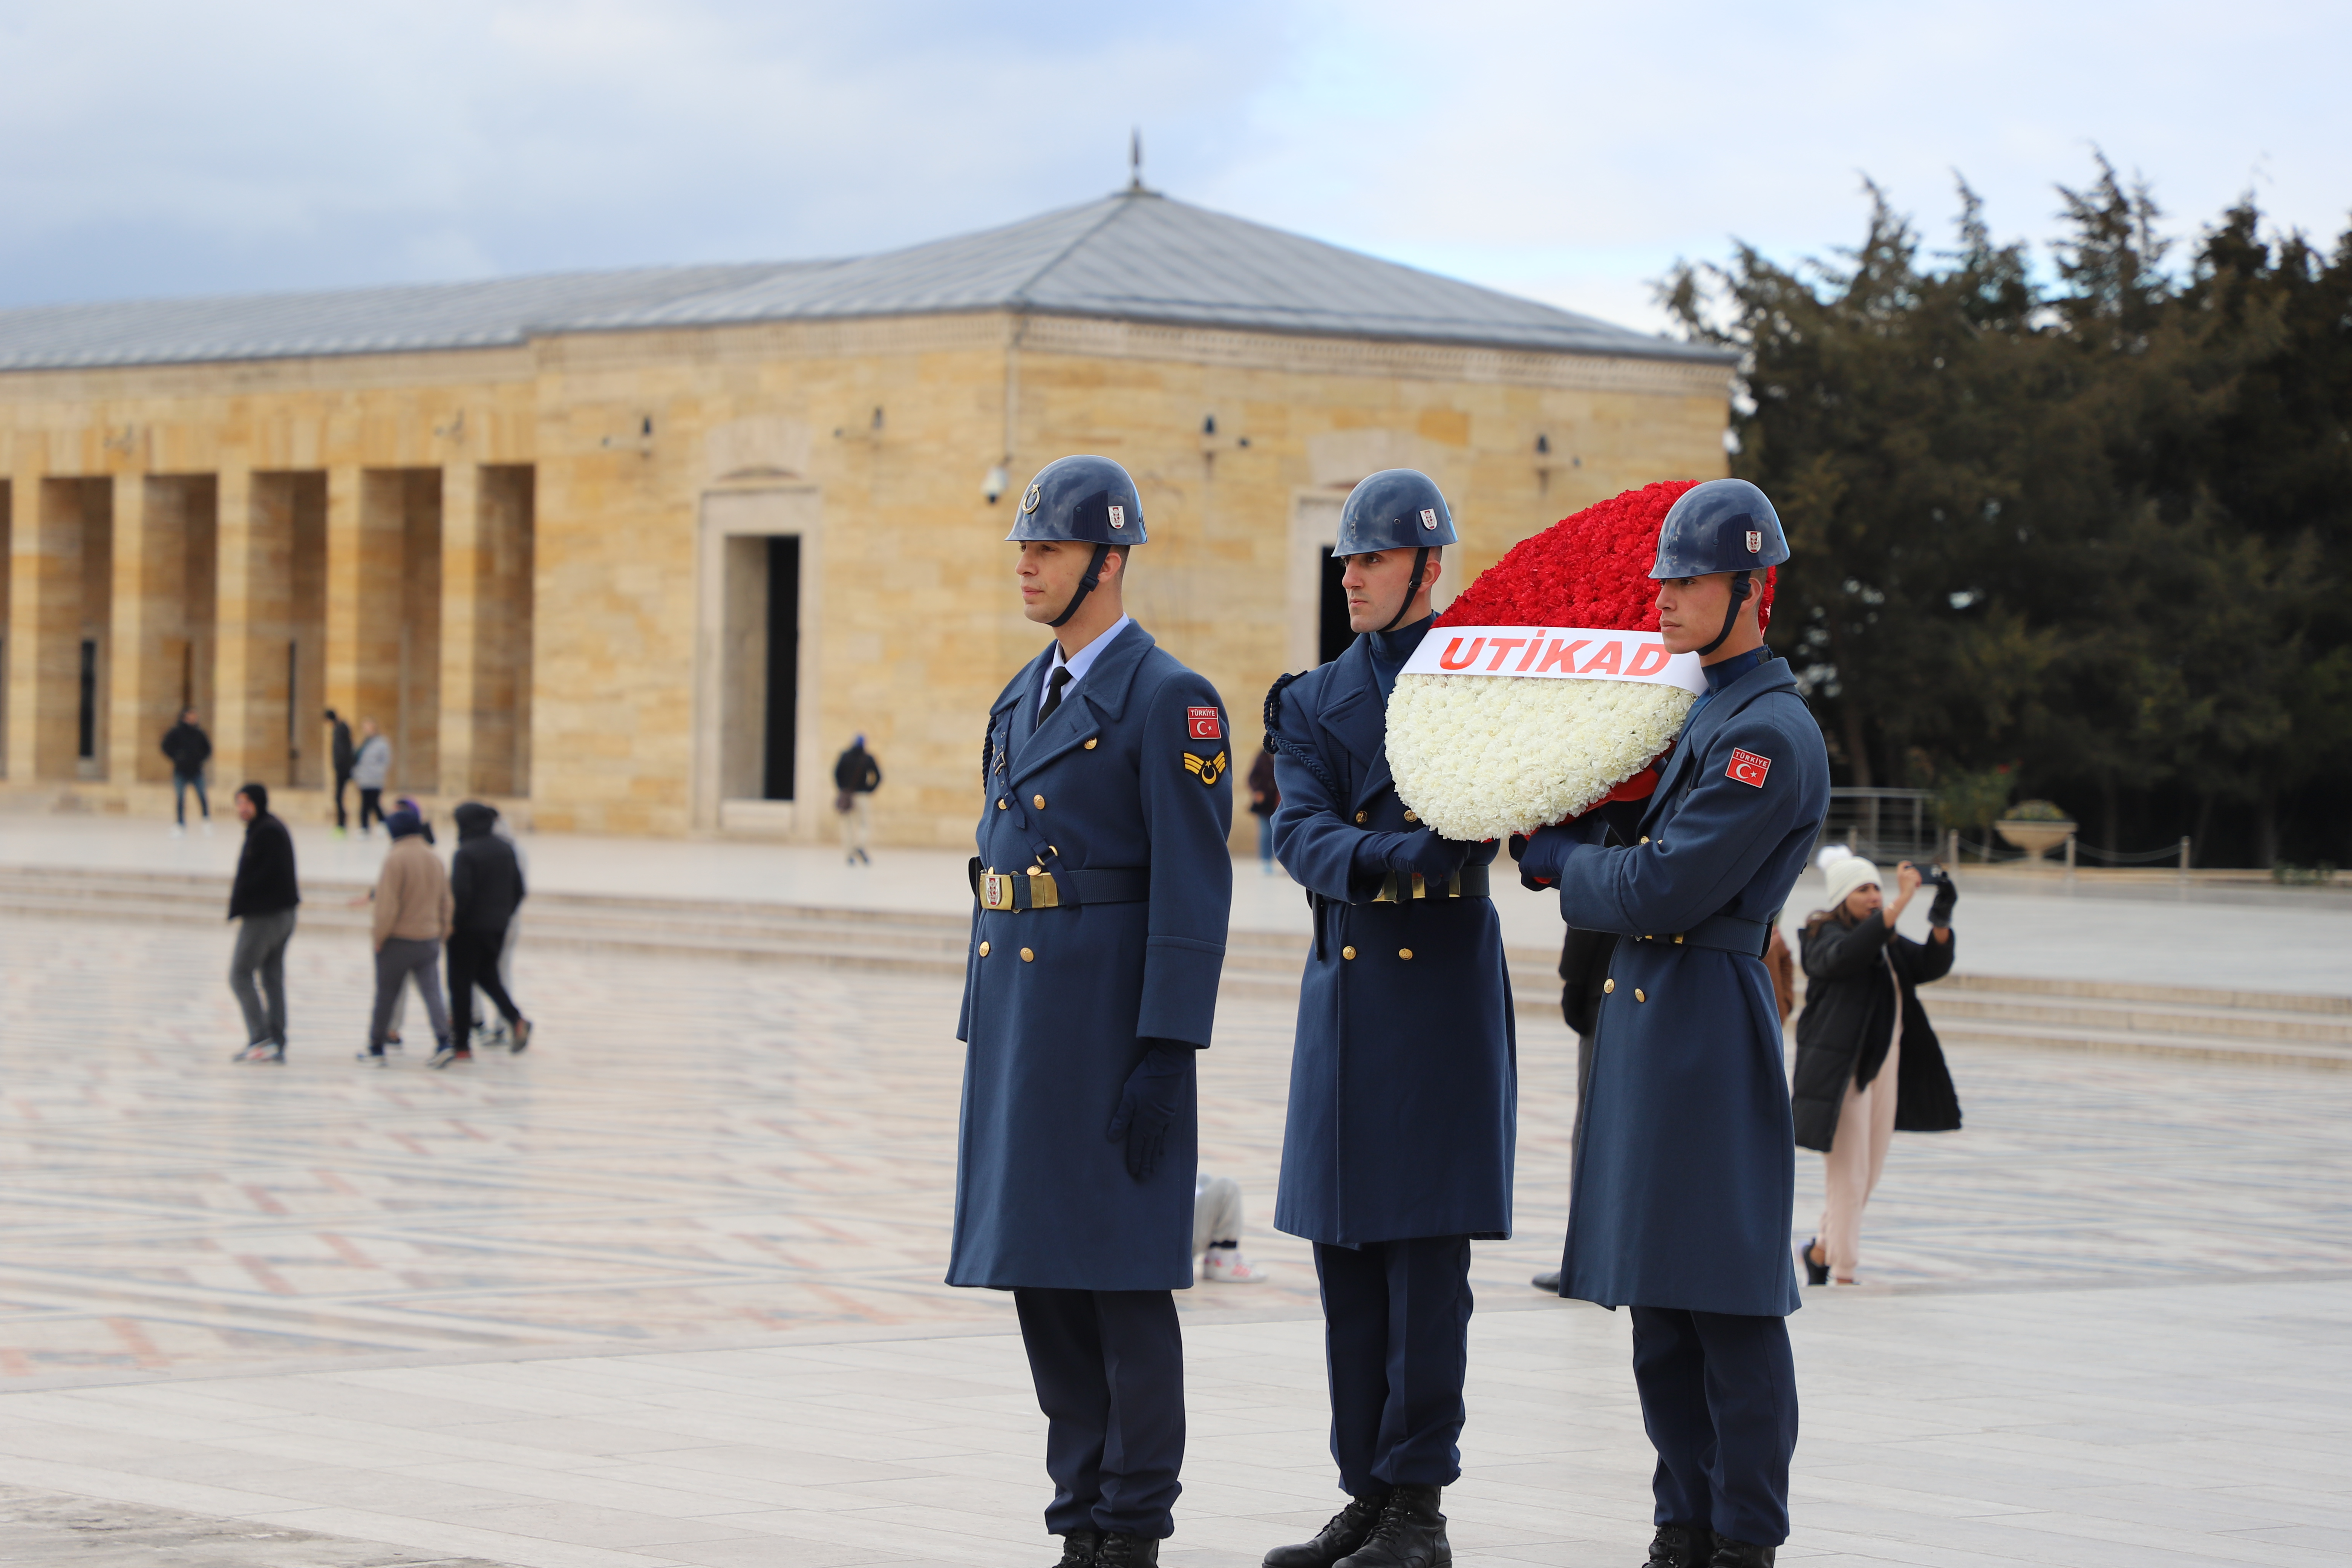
[1685, 1170]
[1404, 1077]
[1057, 1002]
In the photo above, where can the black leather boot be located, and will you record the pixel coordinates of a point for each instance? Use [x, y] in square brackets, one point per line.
[1730, 1553]
[1410, 1534]
[1079, 1549]
[1122, 1551]
[1342, 1535]
[1682, 1546]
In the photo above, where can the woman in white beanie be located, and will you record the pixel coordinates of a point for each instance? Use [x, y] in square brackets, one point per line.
[1868, 1063]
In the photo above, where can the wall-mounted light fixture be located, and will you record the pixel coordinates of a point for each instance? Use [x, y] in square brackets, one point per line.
[993, 486]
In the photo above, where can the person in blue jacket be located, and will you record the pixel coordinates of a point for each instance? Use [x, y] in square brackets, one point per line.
[1685, 1170]
[1103, 886]
[1404, 1080]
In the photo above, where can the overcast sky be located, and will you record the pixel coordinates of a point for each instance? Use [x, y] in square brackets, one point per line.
[1567, 151]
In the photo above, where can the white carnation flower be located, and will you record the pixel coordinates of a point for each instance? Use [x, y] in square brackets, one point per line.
[1480, 757]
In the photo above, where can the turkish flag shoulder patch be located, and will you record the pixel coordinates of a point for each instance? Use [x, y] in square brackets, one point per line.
[1748, 767]
[1202, 724]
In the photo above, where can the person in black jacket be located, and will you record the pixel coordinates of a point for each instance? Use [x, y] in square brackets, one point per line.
[189, 748]
[855, 776]
[342, 752]
[486, 881]
[1868, 1063]
[263, 899]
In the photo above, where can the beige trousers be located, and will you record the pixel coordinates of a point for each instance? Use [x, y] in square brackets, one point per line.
[1856, 1156]
[856, 823]
[1216, 1211]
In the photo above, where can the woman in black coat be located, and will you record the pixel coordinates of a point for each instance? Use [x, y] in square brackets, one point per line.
[1868, 1063]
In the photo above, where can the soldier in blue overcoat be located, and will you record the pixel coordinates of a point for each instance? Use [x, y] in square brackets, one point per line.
[1686, 1169]
[1403, 1080]
[1102, 889]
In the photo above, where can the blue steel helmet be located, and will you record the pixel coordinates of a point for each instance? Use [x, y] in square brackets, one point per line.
[1723, 525]
[1090, 500]
[1396, 509]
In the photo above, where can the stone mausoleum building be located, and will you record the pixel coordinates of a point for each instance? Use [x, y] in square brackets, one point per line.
[638, 552]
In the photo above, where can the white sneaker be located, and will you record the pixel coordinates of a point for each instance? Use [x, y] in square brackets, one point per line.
[179, 830]
[1226, 1266]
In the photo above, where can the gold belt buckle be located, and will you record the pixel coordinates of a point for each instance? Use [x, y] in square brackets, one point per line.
[995, 890]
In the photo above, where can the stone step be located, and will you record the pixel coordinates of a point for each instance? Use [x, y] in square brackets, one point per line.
[2044, 1012]
[1962, 1033]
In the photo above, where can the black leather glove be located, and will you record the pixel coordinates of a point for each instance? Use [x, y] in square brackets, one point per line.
[1940, 913]
[1148, 1106]
[1428, 854]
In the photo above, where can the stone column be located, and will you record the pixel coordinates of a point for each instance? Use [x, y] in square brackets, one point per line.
[364, 526]
[45, 594]
[465, 562]
[149, 632]
[256, 554]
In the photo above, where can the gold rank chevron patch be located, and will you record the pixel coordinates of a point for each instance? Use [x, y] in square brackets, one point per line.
[1208, 771]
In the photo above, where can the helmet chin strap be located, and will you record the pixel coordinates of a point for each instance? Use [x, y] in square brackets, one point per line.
[1412, 589]
[1739, 586]
[1089, 583]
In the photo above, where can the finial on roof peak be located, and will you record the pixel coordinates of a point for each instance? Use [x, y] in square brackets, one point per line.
[1135, 160]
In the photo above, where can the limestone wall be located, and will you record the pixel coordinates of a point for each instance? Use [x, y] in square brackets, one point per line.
[513, 557]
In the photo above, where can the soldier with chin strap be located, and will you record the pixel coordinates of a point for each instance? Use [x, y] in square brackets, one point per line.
[1686, 1159]
[1404, 1080]
[1101, 890]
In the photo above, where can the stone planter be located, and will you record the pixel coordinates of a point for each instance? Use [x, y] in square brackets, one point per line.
[2036, 839]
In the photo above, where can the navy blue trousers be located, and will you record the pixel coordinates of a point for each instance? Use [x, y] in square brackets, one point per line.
[1396, 1330]
[1110, 1371]
[1719, 1399]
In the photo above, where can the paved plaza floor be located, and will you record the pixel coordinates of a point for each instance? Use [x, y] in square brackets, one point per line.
[664, 1290]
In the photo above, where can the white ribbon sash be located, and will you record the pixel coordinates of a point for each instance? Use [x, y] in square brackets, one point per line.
[1555, 653]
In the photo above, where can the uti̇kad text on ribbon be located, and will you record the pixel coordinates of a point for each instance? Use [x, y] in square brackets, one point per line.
[1554, 653]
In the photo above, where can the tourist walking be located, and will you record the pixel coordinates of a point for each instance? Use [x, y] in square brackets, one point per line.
[413, 911]
[1217, 1233]
[189, 748]
[1266, 797]
[370, 768]
[1403, 1110]
[262, 901]
[1868, 1063]
[1685, 1172]
[855, 776]
[1104, 889]
[485, 888]
[341, 754]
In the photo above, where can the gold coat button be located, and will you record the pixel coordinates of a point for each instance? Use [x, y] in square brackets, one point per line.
[1608, 987]
[1404, 953]
[1027, 956]
[1411, 818]
[1001, 803]
[1639, 998]
[984, 950]
[1090, 745]
[1038, 801]
[1346, 952]
[1645, 838]
[1361, 814]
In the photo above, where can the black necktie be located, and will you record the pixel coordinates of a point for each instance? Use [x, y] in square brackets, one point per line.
[1054, 684]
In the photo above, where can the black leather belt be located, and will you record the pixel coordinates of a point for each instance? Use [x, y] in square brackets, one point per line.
[1012, 891]
[1399, 886]
[1726, 933]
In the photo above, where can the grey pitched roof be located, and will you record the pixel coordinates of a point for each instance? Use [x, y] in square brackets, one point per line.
[1136, 255]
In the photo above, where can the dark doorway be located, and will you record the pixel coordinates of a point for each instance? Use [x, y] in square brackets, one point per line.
[783, 663]
[1335, 635]
[88, 716]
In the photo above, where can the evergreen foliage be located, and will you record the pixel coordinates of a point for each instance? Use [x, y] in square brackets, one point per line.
[2093, 524]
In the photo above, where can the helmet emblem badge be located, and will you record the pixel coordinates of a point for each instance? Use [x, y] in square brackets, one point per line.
[1755, 542]
[1029, 502]
[1119, 517]
[1429, 517]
